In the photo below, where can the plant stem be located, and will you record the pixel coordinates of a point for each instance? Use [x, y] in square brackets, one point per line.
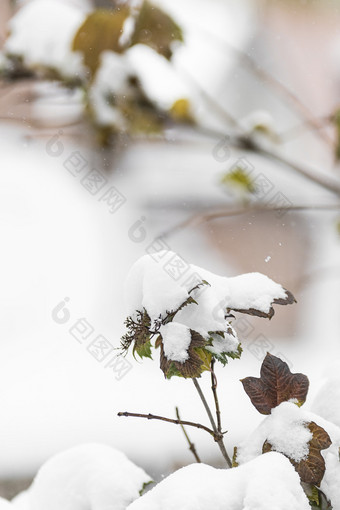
[218, 436]
[214, 390]
[170, 420]
[192, 447]
[226, 212]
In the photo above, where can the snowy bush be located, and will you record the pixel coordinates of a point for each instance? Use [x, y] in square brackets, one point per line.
[290, 461]
[91, 51]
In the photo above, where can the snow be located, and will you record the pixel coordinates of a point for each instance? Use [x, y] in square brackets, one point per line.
[327, 399]
[284, 430]
[253, 290]
[112, 78]
[176, 341]
[42, 33]
[266, 483]
[259, 119]
[87, 476]
[21, 501]
[5, 505]
[154, 284]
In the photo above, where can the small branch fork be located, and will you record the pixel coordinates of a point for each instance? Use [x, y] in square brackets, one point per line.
[192, 447]
[215, 431]
[218, 435]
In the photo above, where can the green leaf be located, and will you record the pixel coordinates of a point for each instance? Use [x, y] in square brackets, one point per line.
[338, 227]
[205, 356]
[100, 32]
[156, 29]
[224, 357]
[145, 485]
[234, 462]
[181, 111]
[238, 179]
[143, 350]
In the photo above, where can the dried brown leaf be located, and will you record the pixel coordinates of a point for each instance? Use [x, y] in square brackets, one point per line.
[192, 367]
[275, 385]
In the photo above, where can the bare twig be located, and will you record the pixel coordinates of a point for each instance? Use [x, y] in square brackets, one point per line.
[248, 143]
[198, 219]
[210, 101]
[170, 420]
[214, 390]
[218, 436]
[192, 447]
[276, 85]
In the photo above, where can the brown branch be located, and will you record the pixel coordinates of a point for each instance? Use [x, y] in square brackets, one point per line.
[192, 447]
[198, 219]
[170, 420]
[214, 390]
[218, 436]
[248, 143]
[280, 88]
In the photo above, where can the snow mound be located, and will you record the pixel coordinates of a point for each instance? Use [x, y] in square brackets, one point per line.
[268, 482]
[5, 505]
[41, 33]
[21, 501]
[327, 400]
[284, 429]
[90, 476]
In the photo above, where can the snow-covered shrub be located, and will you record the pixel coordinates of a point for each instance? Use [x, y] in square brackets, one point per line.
[292, 459]
[191, 317]
[90, 50]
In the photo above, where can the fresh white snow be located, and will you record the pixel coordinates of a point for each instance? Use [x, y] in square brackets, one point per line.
[162, 283]
[176, 341]
[42, 33]
[92, 476]
[285, 429]
[268, 482]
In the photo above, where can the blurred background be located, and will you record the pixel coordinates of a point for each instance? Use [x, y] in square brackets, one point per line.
[210, 128]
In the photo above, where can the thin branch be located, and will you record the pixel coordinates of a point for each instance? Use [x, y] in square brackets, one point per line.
[192, 447]
[280, 88]
[198, 219]
[206, 405]
[214, 390]
[210, 100]
[218, 436]
[248, 143]
[170, 420]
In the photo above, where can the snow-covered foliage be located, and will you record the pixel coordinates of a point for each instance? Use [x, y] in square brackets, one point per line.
[41, 34]
[287, 432]
[194, 307]
[109, 54]
[266, 483]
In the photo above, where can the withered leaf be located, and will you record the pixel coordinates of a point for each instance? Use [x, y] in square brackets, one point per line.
[100, 31]
[193, 366]
[276, 384]
[288, 300]
[312, 468]
[156, 29]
